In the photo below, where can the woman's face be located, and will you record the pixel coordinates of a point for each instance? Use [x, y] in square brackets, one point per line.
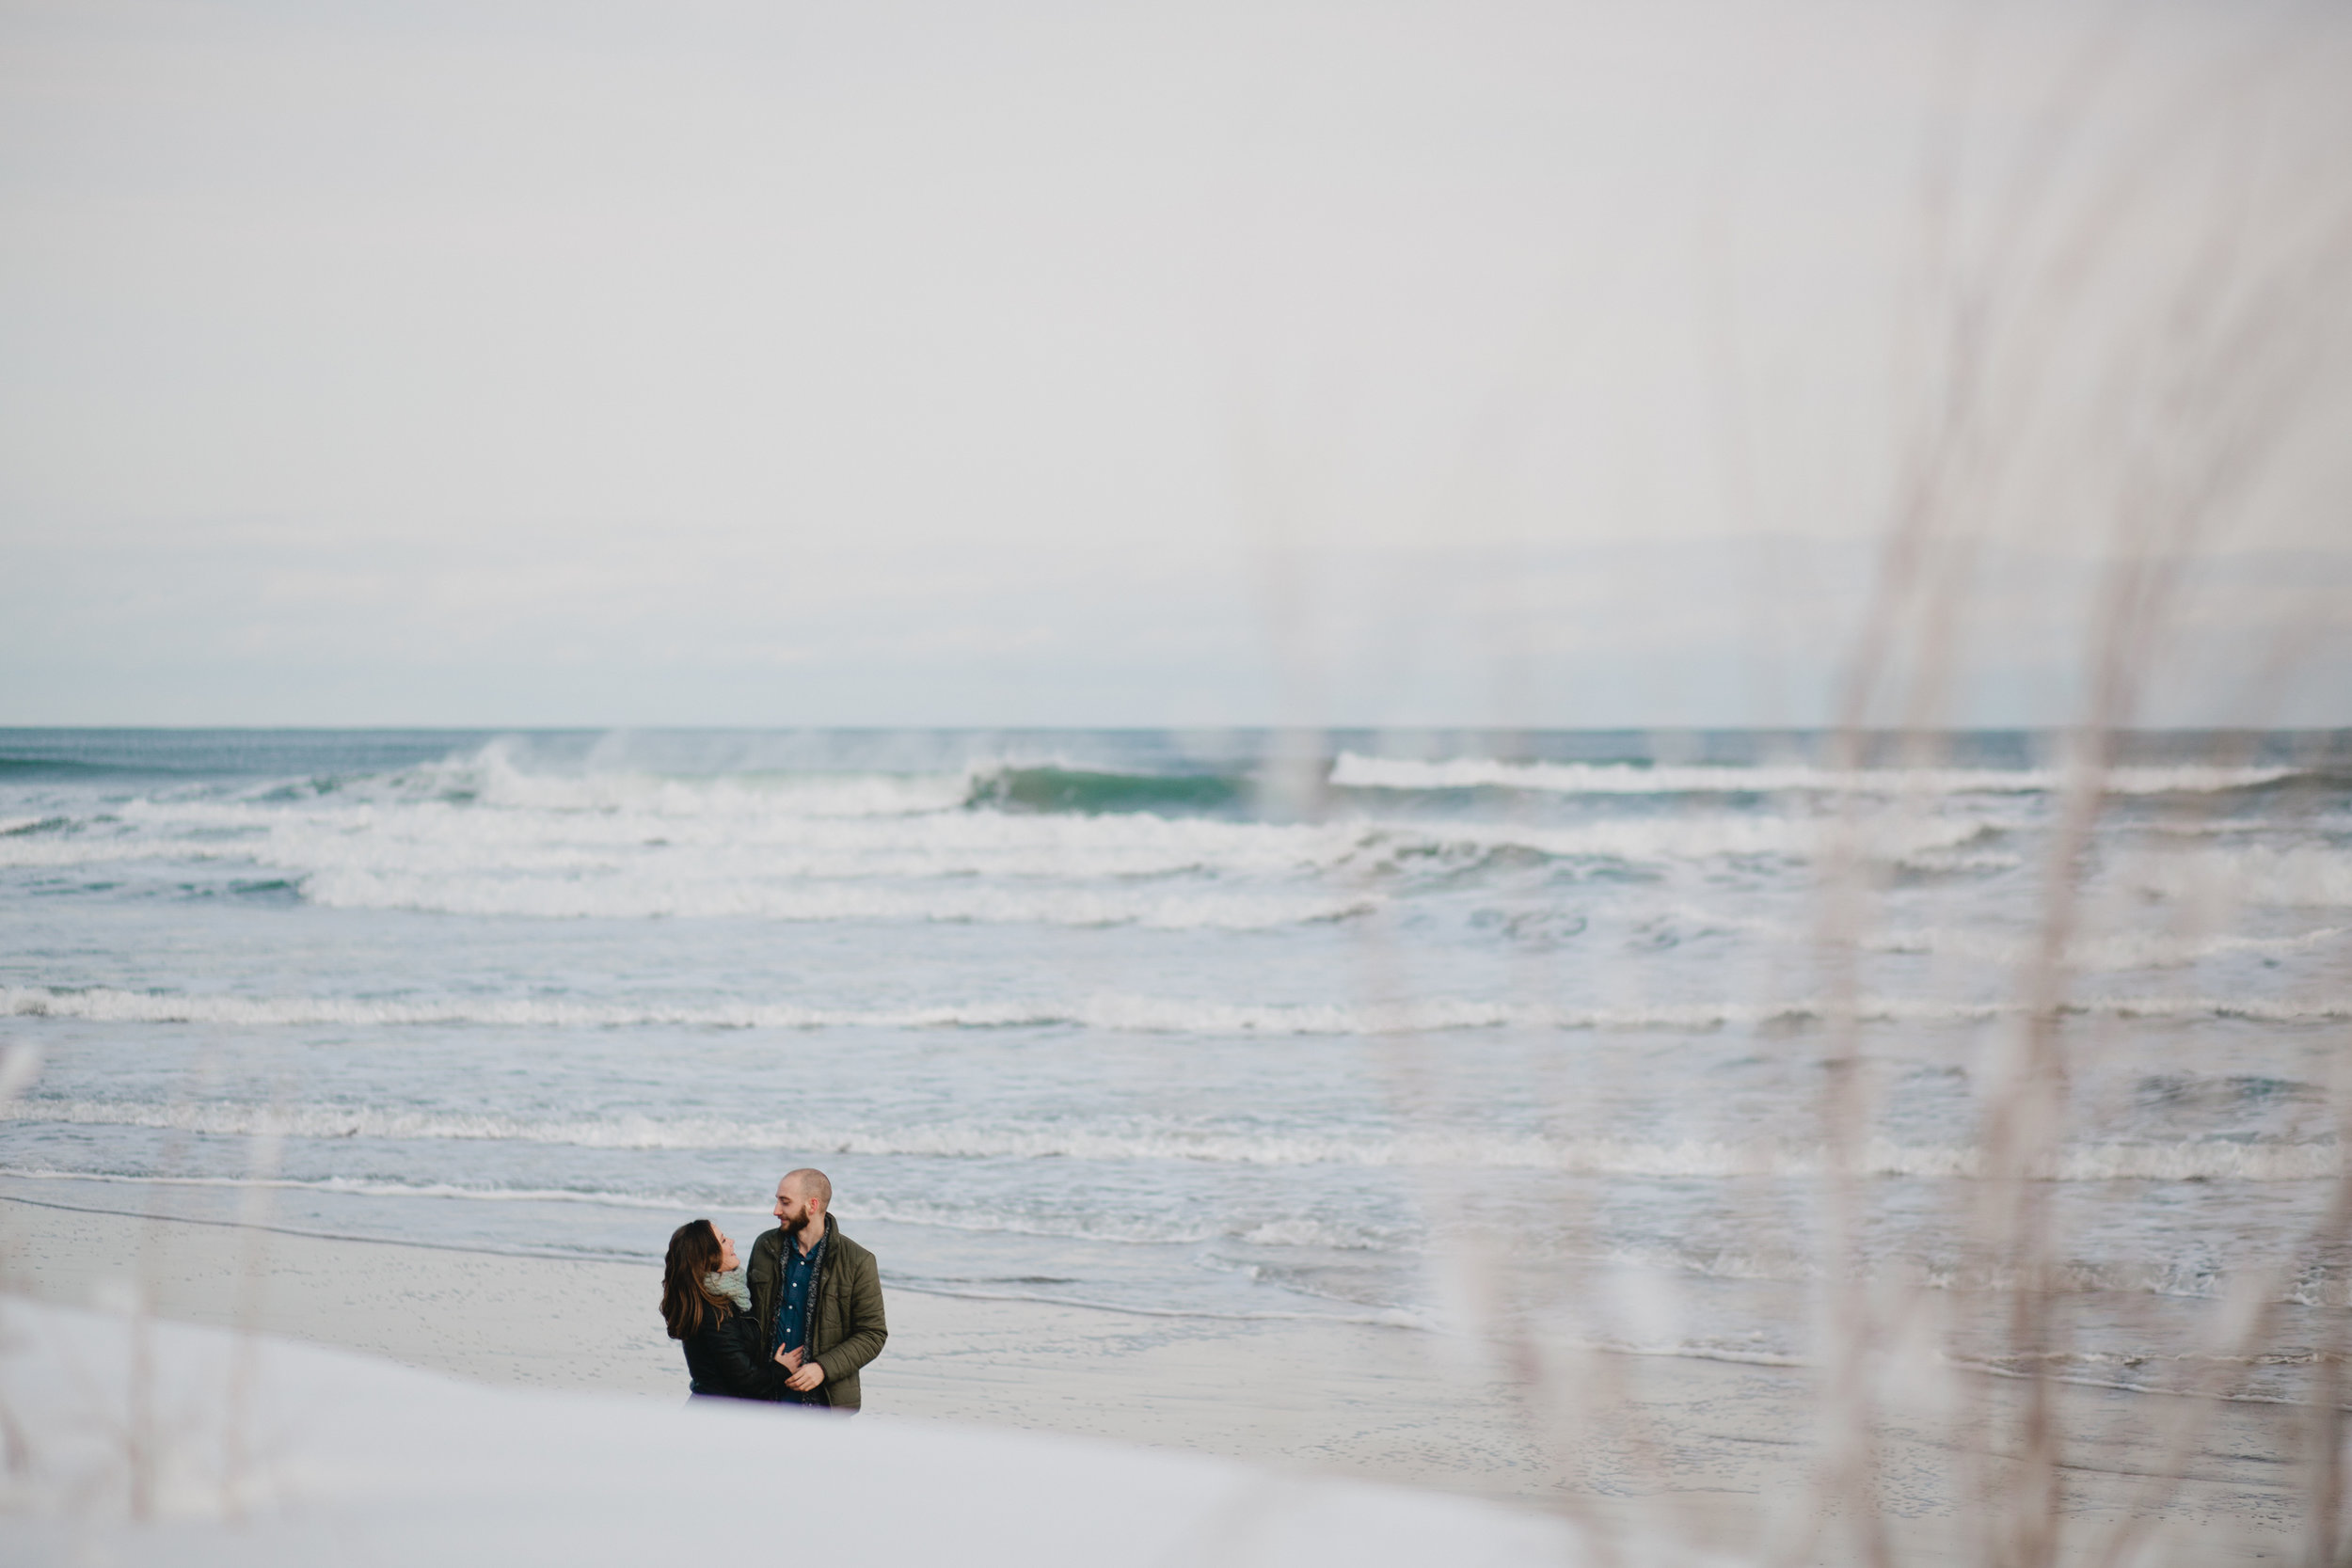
[726, 1252]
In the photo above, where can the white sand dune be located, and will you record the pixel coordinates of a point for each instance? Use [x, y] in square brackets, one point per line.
[254, 1452]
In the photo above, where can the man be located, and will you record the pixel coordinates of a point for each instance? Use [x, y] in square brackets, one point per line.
[817, 1295]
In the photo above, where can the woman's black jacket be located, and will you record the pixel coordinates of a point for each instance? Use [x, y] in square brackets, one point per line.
[729, 1358]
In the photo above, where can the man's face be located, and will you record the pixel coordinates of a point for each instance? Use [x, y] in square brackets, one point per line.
[792, 1209]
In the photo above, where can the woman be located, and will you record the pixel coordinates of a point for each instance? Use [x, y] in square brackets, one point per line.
[706, 1305]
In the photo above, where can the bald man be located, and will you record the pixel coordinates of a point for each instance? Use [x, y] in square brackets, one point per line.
[817, 1295]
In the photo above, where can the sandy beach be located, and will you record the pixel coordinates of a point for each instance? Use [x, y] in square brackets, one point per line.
[1345, 1397]
[1386, 1405]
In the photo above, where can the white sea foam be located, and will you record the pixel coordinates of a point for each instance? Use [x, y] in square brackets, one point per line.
[461, 859]
[1353, 771]
[1958, 862]
[2108, 953]
[438, 836]
[1165, 1228]
[59, 854]
[644, 898]
[1307, 1231]
[2218, 879]
[1711, 835]
[2009, 945]
[992, 1219]
[492, 777]
[2195, 1160]
[1386, 1317]
[438, 833]
[356, 1186]
[1120, 844]
[1123, 1014]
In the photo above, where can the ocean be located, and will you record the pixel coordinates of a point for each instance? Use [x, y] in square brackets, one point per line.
[1232, 1025]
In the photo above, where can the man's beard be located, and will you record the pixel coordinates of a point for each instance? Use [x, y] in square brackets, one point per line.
[793, 1228]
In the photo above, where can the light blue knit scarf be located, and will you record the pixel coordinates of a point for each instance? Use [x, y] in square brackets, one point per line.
[729, 1286]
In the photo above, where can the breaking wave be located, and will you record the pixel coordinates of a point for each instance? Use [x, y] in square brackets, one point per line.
[491, 778]
[1122, 1014]
[1351, 771]
[2183, 1160]
[1072, 789]
[2305, 877]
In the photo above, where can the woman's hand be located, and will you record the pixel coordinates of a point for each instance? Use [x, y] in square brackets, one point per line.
[788, 1359]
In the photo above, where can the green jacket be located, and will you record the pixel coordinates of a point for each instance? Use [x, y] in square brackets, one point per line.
[846, 1328]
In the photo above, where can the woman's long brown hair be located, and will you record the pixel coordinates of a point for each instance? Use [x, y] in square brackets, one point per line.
[693, 1253]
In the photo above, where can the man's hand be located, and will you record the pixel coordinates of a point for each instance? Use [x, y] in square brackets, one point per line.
[789, 1359]
[807, 1377]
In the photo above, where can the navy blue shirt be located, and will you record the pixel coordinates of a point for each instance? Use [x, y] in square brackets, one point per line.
[790, 1331]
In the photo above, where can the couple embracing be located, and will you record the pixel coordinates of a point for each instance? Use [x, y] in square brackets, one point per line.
[796, 1324]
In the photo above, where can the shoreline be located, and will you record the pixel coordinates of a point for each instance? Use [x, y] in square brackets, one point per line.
[1385, 1403]
[1399, 1322]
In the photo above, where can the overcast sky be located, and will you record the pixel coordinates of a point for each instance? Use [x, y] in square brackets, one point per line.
[705, 363]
